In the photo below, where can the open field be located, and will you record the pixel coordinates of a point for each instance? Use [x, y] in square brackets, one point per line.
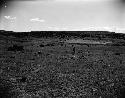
[62, 70]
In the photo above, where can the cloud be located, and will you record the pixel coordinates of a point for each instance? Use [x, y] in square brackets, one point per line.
[37, 20]
[9, 17]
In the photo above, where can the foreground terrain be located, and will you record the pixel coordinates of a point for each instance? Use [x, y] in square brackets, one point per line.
[61, 70]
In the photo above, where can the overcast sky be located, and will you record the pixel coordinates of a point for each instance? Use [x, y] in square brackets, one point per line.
[36, 15]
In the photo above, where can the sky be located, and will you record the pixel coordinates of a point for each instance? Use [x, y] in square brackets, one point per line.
[62, 15]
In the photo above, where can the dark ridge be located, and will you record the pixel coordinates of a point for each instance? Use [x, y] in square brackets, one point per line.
[27, 36]
[65, 34]
[14, 34]
[15, 48]
[62, 34]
